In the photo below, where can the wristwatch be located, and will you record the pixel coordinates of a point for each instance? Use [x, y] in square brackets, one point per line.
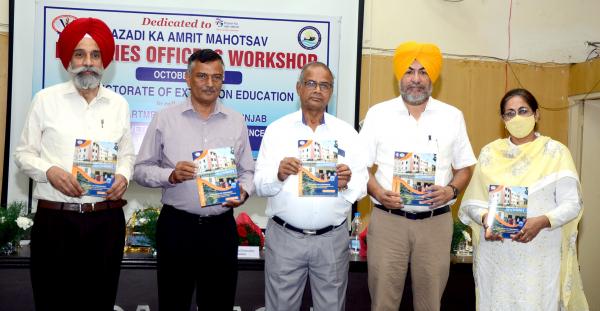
[454, 191]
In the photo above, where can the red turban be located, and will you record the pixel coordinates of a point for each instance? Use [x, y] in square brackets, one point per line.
[76, 30]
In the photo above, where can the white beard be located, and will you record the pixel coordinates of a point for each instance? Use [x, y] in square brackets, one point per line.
[86, 81]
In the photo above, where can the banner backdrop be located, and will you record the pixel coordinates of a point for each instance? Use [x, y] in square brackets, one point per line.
[263, 55]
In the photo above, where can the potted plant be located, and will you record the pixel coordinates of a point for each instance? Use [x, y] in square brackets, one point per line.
[15, 223]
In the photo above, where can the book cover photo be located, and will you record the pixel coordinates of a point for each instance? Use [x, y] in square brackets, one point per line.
[507, 209]
[318, 176]
[413, 172]
[217, 177]
[94, 165]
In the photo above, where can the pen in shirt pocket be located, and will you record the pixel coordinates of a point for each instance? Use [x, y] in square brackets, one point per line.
[102, 123]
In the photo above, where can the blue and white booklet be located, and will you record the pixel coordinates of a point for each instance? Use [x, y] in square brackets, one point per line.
[318, 176]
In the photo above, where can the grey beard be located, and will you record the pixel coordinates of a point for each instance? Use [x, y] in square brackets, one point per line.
[86, 81]
[415, 100]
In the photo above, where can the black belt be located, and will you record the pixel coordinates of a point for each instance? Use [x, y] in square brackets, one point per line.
[415, 215]
[81, 207]
[284, 224]
[202, 219]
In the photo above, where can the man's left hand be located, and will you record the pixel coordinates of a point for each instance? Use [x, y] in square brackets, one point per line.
[231, 202]
[344, 174]
[118, 188]
[437, 196]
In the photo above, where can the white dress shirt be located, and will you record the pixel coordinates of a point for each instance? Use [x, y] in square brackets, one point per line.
[59, 115]
[280, 141]
[389, 127]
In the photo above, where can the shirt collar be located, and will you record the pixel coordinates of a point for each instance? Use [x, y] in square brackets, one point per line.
[300, 118]
[219, 108]
[431, 105]
[71, 89]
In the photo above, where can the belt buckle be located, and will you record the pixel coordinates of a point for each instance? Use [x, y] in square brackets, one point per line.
[411, 215]
[82, 210]
[309, 232]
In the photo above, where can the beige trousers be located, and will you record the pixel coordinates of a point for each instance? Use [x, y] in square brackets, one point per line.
[393, 242]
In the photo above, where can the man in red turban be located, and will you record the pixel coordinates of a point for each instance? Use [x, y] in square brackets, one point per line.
[424, 159]
[86, 27]
[78, 234]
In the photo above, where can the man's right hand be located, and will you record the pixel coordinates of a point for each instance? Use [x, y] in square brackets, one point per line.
[64, 182]
[288, 166]
[184, 170]
[389, 199]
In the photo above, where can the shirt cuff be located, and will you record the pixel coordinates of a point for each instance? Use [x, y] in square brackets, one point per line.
[480, 212]
[554, 223]
[124, 174]
[164, 178]
[276, 184]
[44, 169]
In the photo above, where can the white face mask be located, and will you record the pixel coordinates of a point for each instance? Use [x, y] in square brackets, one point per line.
[519, 126]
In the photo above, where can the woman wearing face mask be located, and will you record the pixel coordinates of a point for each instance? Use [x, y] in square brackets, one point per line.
[536, 267]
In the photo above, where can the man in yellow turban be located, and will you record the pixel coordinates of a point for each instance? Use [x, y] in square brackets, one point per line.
[78, 235]
[424, 160]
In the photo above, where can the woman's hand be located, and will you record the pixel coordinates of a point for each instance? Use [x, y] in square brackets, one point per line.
[489, 235]
[531, 229]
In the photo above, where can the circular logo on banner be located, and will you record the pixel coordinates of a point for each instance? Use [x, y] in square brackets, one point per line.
[309, 37]
[60, 22]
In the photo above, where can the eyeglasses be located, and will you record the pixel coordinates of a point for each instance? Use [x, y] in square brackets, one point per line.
[312, 85]
[216, 78]
[523, 112]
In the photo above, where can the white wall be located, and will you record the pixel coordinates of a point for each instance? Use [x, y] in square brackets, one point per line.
[589, 250]
[3, 15]
[542, 30]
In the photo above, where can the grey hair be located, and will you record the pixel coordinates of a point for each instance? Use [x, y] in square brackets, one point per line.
[203, 56]
[311, 64]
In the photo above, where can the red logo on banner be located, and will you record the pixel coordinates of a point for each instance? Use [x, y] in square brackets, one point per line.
[60, 22]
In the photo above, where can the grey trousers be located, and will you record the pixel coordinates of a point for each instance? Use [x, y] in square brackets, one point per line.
[291, 257]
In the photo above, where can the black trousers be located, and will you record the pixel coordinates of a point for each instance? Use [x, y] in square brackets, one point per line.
[196, 252]
[76, 259]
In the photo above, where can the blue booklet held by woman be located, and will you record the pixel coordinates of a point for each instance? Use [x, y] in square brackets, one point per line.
[507, 210]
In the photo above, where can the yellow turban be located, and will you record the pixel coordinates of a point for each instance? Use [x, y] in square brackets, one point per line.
[427, 54]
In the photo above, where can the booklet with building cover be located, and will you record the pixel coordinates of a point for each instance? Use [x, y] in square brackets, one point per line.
[94, 165]
[413, 172]
[217, 178]
[318, 176]
[507, 210]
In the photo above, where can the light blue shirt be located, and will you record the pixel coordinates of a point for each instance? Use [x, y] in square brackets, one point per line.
[177, 131]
